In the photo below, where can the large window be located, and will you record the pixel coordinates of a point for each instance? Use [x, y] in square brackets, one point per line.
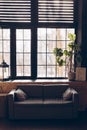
[30, 30]
[48, 39]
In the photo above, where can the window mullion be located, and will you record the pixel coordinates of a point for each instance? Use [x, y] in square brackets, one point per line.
[34, 21]
[13, 53]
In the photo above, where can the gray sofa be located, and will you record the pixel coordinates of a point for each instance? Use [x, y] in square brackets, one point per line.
[43, 102]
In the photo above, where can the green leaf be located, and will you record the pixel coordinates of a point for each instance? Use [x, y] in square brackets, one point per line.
[65, 52]
[58, 52]
[72, 37]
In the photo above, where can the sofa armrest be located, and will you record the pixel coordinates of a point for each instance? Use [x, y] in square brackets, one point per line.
[75, 96]
[75, 99]
[11, 98]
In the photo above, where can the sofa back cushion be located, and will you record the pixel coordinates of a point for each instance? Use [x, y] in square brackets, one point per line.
[46, 91]
[32, 90]
[54, 91]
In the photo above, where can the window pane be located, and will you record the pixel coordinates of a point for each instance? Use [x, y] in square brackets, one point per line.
[5, 46]
[19, 34]
[61, 34]
[27, 34]
[51, 71]
[19, 70]
[41, 71]
[27, 70]
[1, 57]
[26, 59]
[7, 58]
[61, 71]
[27, 45]
[61, 43]
[41, 34]
[19, 46]
[50, 59]
[48, 39]
[19, 58]
[0, 45]
[0, 34]
[23, 52]
[41, 46]
[23, 70]
[6, 34]
[41, 59]
[50, 45]
[51, 34]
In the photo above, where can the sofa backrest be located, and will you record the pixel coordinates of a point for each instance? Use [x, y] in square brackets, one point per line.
[46, 91]
[54, 90]
[32, 90]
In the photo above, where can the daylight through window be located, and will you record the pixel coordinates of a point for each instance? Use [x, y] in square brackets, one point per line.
[30, 30]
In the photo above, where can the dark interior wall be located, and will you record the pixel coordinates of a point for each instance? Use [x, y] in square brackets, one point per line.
[82, 30]
[84, 33]
[79, 21]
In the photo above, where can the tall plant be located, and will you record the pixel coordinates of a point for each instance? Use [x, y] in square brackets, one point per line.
[67, 56]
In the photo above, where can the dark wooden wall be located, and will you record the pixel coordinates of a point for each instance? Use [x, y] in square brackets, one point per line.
[84, 33]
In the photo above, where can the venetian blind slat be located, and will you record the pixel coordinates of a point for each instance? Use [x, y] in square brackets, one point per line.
[56, 11]
[15, 10]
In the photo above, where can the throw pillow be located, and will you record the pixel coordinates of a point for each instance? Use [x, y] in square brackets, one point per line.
[67, 95]
[20, 95]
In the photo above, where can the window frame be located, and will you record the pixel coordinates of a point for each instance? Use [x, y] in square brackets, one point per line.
[33, 26]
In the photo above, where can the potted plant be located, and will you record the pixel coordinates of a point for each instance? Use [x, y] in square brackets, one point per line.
[66, 56]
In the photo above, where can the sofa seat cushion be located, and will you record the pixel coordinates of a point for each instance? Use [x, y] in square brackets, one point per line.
[29, 102]
[56, 101]
[42, 109]
[37, 102]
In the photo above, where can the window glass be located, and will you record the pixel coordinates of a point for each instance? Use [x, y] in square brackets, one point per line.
[23, 52]
[5, 46]
[48, 39]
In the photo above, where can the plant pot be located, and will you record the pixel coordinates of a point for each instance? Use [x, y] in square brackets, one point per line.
[71, 76]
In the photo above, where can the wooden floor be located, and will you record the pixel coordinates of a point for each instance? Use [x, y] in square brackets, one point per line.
[77, 124]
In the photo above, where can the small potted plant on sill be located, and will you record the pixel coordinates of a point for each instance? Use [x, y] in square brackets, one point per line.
[66, 57]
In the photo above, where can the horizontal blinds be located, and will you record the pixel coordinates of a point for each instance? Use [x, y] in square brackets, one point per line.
[56, 11]
[48, 11]
[15, 11]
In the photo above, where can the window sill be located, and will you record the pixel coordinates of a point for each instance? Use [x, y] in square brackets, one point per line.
[41, 80]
